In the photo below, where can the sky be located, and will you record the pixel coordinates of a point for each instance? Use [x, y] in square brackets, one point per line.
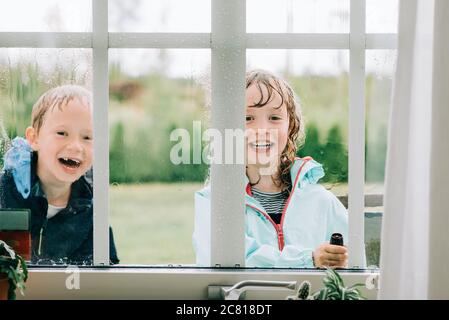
[327, 16]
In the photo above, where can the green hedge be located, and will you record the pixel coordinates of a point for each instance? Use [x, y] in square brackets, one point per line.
[144, 111]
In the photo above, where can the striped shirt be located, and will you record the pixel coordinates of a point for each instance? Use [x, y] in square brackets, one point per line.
[272, 202]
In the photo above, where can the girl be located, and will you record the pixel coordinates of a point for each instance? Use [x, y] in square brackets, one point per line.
[289, 217]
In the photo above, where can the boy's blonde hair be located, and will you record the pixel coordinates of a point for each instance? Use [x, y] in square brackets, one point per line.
[277, 85]
[58, 97]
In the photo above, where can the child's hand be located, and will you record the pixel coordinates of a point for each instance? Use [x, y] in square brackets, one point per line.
[329, 255]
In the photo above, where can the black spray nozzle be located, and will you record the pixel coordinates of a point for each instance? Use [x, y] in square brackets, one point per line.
[337, 239]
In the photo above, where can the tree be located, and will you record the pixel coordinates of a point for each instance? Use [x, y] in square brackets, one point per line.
[335, 157]
[312, 146]
[117, 154]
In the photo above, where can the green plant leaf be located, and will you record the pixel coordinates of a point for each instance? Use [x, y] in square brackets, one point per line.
[334, 288]
[14, 266]
[8, 249]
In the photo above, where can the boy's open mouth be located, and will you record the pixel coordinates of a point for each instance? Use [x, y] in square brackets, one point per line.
[70, 162]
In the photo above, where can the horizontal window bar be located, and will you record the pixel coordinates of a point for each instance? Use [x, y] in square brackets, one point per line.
[381, 41]
[192, 40]
[371, 200]
[297, 41]
[46, 39]
[159, 40]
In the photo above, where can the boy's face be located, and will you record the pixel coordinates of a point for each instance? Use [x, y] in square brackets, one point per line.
[266, 128]
[64, 143]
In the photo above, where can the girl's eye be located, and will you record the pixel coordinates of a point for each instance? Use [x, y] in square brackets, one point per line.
[274, 117]
[249, 118]
[87, 138]
[61, 133]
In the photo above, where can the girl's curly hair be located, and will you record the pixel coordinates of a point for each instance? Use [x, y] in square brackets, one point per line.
[276, 85]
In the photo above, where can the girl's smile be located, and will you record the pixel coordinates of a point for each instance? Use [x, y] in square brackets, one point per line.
[262, 145]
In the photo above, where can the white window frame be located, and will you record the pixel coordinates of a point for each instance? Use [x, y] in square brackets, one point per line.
[228, 42]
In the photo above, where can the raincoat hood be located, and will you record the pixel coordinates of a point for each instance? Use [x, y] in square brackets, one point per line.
[18, 160]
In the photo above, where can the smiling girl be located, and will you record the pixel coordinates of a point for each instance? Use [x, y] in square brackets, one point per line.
[289, 217]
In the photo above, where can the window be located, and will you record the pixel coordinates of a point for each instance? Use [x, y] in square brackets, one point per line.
[153, 93]
[309, 16]
[159, 16]
[46, 16]
[379, 77]
[335, 50]
[382, 16]
[42, 47]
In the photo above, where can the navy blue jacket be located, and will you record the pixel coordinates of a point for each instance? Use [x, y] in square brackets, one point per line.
[68, 236]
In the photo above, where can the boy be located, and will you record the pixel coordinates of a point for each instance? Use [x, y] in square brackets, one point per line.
[49, 174]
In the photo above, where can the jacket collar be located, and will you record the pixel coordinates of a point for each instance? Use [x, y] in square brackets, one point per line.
[304, 171]
[310, 172]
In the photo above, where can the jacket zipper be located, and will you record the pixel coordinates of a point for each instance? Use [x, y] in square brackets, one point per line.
[277, 227]
[44, 226]
[280, 227]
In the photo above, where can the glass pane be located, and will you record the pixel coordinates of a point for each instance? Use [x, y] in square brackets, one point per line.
[307, 16]
[49, 173]
[159, 16]
[320, 80]
[380, 67]
[382, 16]
[153, 93]
[46, 15]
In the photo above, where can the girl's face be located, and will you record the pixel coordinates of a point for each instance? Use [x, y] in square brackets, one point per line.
[266, 128]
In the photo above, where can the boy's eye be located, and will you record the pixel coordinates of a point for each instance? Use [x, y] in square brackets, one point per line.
[87, 138]
[61, 133]
[249, 118]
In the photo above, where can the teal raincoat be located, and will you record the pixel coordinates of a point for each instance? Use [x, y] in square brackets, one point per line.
[309, 218]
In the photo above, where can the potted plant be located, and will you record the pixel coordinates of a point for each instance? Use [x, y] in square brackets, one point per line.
[13, 272]
[334, 289]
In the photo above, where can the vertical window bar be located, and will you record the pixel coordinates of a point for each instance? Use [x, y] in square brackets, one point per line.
[228, 105]
[356, 177]
[101, 132]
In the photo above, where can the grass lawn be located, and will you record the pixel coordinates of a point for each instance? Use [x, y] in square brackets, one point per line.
[153, 223]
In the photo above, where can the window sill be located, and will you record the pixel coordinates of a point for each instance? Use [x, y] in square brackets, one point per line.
[168, 283]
